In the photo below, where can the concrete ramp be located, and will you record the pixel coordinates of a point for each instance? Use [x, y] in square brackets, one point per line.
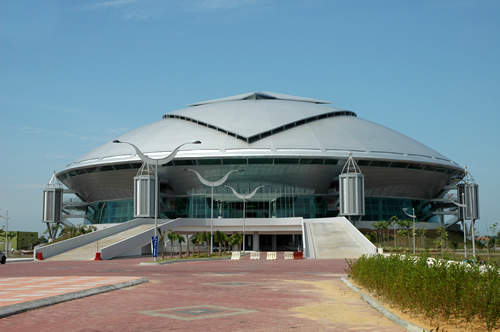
[334, 238]
[88, 251]
[85, 246]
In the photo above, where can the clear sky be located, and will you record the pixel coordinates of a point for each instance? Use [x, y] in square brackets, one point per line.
[77, 74]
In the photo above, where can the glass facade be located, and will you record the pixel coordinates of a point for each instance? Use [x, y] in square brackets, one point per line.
[112, 212]
[284, 207]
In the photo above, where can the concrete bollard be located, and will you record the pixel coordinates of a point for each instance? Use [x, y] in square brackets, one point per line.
[255, 255]
[271, 255]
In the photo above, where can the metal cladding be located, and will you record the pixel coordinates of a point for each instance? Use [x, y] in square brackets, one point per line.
[144, 193]
[468, 195]
[352, 190]
[52, 201]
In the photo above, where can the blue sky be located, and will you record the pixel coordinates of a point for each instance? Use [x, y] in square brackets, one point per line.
[76, 74]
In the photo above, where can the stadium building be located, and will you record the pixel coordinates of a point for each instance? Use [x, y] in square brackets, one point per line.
[292, 149]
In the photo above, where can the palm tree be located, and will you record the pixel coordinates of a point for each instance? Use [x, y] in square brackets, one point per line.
[172, 236]
[393, 221]
[195, 240]
[161, 240]
[181, 239]
[199, 240]
[225, 238]
[378, 225]
[235, 240]
[187, 243]
[220, 238]
[385, 226]
[405, 224]
[206, 237]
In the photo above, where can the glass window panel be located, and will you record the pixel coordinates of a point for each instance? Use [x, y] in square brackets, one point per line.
[182, 162]
[286, 161]
[380, 163]
[208, 162]
[260, 160]
[239, 161]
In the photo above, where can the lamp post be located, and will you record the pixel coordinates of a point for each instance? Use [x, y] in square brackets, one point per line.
[6, 246]
[212, 184]
[412, 216]
[470, 188]
[244, 198]
[152, 161]
[463, 206]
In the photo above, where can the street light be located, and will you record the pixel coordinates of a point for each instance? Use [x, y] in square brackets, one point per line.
[412, 216]
[244, 198]
[6, 246]
[472, 192]
[463, 206]
[212, 184]
[152, 161]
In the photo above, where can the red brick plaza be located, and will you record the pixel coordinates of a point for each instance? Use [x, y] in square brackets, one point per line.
[215, 295]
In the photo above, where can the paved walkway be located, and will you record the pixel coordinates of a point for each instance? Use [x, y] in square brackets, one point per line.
[221, 295]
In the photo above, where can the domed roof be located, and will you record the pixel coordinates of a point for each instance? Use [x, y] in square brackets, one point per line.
[264, 124]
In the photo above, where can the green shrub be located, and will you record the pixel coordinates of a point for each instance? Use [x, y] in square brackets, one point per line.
[440, 292]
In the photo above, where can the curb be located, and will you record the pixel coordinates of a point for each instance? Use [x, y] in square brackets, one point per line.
[35, 304]
[188, 260]
[19, 260]
[389, 315]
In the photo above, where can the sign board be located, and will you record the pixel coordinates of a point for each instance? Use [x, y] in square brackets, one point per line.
[154, 244]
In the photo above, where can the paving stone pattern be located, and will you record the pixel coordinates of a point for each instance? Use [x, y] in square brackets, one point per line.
[217, 295]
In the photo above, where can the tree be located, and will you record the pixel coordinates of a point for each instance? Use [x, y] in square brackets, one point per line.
[220, 238]
[181, 239]
[199, 240]
[195, 240]
[54, 229]
[491, 240]
[407, 225]
[235, 240]
[225, 238]
[161, 239]
[442, 238]
[206, 237]
[454, 247]
[7, 238]
[187, 243]
[172, 236]
[385, 226]
[378, 227]
[394, 221]
[421, 233]
[402, 234]
[42, 239]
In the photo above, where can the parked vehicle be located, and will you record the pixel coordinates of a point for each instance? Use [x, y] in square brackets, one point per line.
[3, 259]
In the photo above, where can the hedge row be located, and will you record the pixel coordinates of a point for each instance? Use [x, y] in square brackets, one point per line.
[443, 291]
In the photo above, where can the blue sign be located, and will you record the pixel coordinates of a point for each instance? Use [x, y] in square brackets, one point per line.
[154, 243]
